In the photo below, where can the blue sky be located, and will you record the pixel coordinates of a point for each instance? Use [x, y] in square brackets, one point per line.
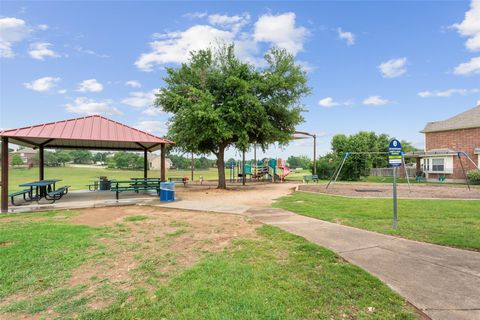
[387, 67]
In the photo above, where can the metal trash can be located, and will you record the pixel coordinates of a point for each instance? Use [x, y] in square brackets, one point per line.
[105, 184]
[167, 191]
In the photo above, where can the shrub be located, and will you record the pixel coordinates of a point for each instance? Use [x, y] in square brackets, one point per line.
[474, 176]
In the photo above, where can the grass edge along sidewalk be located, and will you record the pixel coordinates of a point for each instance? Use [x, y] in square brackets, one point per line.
[277, 275]
[454, 223]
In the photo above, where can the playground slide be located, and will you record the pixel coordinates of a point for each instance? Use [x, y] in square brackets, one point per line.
[284, 170]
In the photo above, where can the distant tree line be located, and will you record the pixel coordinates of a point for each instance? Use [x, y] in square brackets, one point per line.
[182, 162]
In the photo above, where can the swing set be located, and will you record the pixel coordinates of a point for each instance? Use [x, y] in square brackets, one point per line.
[459, 154]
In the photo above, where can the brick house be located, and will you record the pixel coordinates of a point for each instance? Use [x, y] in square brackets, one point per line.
[444, 139]
[28, 156]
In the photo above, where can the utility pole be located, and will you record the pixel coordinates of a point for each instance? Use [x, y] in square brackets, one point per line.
[314, 154]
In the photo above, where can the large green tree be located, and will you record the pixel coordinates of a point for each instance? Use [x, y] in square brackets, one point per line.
[218, 101]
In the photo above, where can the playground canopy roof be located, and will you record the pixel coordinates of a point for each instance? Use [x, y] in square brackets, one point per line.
[91, 132]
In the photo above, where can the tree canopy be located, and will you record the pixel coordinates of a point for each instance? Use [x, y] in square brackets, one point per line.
[217, 101]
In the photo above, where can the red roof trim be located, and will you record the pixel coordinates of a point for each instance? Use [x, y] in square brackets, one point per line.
[96, 120]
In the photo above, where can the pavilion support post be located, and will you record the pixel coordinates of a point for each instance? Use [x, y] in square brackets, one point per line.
[41, 164]
[4, 204]
[145, 164]
[162, 162]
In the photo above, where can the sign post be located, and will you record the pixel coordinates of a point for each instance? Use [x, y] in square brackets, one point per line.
[395, 160]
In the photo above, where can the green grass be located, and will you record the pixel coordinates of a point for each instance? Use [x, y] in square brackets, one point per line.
[280, 276]
[135, 218]
[446, 222]
[177, 232]
[274, 276]
[79, 177]
[37, 255]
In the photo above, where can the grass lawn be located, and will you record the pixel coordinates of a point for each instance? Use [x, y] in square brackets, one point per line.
[274, 275]
[78, 177]
[453, 223]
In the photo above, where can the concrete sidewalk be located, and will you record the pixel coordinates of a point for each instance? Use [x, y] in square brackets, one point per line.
[442, 282]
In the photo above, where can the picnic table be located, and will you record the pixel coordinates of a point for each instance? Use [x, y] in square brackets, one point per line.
[40, 189]
[136, 185]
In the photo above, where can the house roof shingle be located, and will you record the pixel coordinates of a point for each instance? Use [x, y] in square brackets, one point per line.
[465, 120]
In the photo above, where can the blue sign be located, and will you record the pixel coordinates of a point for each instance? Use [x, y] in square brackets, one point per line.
[395, 153]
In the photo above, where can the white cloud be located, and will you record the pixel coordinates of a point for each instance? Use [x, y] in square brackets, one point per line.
[43, 84]
[140, 99]
[152, 126]
[329, 102]
[133, 84]
[87, 106]
[467, 68]
[152, 111]
[347, 36]
[195, 15]
[40, 50]
[81, 49]
[90, 85]
[280, 30]
[375, 101]
[393, 68]
[12, 30]
[175, 47]
[447, 93]
[43, 27]
[233, 22]
[62, 91]
[470, 26]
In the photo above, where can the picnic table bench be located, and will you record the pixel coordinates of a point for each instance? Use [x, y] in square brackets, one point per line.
[18, 193]
[179, 180]
[313, 178]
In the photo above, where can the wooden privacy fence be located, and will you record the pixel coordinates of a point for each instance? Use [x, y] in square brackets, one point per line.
[388, 172]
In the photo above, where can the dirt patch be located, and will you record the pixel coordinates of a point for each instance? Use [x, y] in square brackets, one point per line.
[6, 244]
[380, 190]
[255, 194]
[145, 253]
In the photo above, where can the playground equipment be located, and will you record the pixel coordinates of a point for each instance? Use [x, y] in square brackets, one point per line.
[337, 171]
[267, 169]
[459, 154]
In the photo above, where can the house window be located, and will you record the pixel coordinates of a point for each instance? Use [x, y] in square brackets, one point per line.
[438, 164]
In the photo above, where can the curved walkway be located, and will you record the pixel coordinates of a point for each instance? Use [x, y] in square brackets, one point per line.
[442, 282]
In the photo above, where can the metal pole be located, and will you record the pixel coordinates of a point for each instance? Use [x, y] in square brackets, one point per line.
[243, 168]
[463, 169]
[394, 197]
[339, 169]
[254, 167]
[193, 165]
[145, 164]
[406, 173]
[4, 204]
[314, 154]
[468, 157]
[41, 165]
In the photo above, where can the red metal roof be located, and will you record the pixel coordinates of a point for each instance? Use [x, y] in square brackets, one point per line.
[92, 132]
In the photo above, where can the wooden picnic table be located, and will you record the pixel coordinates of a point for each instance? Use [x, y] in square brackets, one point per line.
[42, 188]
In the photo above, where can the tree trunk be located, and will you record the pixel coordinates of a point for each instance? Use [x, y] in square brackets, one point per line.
[222, 184]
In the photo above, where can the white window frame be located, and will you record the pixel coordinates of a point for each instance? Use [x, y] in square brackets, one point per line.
[447, 164]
